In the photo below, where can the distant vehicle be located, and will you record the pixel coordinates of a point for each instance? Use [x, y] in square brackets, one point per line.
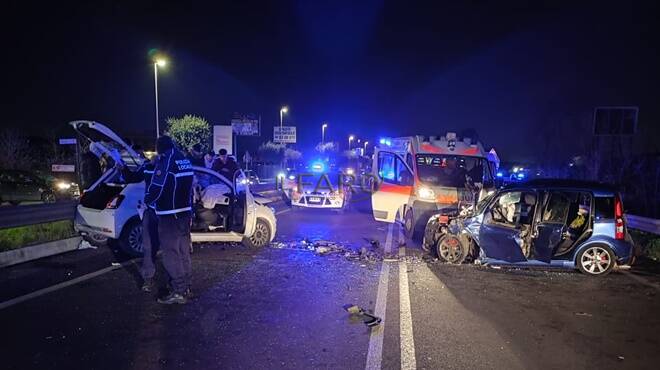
[22, 186]
[329, 193]
[421, 176]
[251, 177]
[108, 209]
[557, 223]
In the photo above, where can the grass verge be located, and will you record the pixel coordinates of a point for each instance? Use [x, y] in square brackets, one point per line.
[23, 236]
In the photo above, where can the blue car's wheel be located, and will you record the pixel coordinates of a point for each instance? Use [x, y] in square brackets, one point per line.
[596, 260]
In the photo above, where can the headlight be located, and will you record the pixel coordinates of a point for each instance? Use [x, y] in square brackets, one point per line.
[280, 175]
[292, 177]
[426, 193]
[244, 181]
[63, 185]
[350, 171]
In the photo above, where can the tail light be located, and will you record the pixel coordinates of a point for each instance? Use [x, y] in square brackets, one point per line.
[618, 219]
[115, 202]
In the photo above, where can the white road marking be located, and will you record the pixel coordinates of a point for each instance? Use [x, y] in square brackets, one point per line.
[375, 354]
[405, 315]
[53, 288]
[640, 280]
[282, 211]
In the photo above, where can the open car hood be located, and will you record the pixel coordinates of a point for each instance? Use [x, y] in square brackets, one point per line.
[102, 135]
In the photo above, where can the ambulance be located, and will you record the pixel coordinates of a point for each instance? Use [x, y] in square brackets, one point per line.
[419, 177]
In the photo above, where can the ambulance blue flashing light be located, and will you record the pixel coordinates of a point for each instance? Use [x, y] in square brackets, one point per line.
[318, 166]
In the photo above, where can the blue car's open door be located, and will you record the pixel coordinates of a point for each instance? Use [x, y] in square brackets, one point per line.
[499, 235]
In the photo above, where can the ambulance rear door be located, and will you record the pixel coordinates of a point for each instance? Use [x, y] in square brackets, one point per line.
[395, 186]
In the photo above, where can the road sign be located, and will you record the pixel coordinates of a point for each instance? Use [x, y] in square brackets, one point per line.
[287, 134]
[63, 168]
[247, 125]
[67, 141]
[222, 139]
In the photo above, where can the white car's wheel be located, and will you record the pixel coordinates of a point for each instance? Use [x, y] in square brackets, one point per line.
[596, 260]
[261, 235]
[130, 240]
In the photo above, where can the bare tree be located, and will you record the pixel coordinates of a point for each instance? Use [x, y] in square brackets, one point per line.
[14, 150]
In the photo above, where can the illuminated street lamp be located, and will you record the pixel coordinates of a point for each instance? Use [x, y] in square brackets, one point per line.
[323, 127]
[283, 110]
[365, 147]
[157, 63]
[350, 138]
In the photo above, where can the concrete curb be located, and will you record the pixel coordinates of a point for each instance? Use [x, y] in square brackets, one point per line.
[34, 252]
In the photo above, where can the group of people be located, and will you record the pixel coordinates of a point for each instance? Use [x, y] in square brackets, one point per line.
[221, 163]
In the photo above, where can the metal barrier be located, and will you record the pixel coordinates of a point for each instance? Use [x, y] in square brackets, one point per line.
[650, 225]
[15, 216]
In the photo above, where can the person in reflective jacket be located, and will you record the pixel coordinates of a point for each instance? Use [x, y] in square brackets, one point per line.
[170, 194]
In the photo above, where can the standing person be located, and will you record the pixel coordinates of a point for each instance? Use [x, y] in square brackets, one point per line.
[150, 241]
[197, 155]
[225, 165]
[208, 159]
[170, 194]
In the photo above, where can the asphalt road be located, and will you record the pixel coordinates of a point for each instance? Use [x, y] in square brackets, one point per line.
[281, 307]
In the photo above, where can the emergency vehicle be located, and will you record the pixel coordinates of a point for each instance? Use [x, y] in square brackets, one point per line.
[419, 177]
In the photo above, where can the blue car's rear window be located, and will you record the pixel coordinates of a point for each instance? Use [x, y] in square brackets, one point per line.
[604, 208]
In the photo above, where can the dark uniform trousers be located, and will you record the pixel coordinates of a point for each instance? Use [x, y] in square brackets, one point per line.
[174, 234]
[150, 243]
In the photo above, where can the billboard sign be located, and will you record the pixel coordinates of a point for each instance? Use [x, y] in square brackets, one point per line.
[222, 138]
[246, 125]
[615, 121]
[284, 134]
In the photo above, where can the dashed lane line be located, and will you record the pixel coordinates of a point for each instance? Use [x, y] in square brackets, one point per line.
[375, 354]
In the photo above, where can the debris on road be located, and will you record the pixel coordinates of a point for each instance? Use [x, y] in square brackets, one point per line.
[583, 314]
[368, 319]
[84, 244]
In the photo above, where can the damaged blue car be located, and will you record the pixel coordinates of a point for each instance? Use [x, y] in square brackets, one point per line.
[557, 223]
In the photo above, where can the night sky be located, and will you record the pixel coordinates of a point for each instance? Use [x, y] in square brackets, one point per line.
[369, 68]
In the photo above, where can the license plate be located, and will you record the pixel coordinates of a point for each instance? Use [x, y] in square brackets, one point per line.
[314, 199]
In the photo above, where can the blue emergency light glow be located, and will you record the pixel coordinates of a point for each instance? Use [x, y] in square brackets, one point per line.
[385, 141]
[521, 175]
[499, 174]
[318, 166]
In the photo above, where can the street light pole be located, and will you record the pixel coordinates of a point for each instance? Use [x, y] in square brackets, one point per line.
[157, 63]
[323, 133]
[350, 138]
[283, 110]
[365, 147]
[156, 93]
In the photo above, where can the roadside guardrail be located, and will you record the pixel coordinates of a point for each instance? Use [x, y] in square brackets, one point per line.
[649, 225]
[14, 216]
